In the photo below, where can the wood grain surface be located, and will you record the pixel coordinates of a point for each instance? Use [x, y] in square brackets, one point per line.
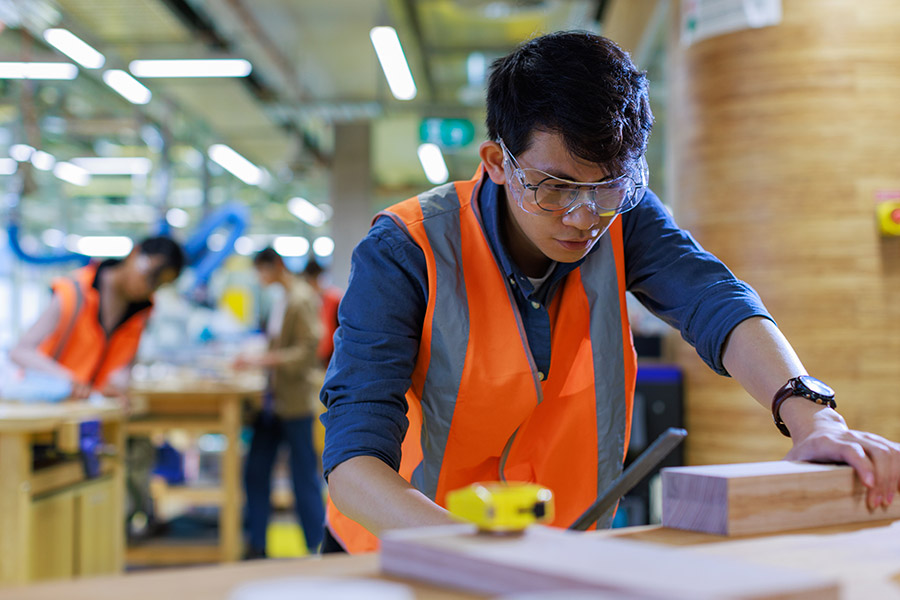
[543, 559]
[765, 497]
[783, 138]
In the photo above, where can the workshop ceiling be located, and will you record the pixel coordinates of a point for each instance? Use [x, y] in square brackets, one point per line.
[313, 68]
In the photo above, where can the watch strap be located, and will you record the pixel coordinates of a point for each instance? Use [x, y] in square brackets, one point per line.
[792, 388]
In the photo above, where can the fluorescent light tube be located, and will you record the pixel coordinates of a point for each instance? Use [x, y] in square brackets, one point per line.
[290, 245]
[218, 67]
[43, 161]
[75, 48]
[21, 152]
[177, 217]
[72, 173]
[393, 62]
[38, 70]
[433, 163]
[237, 165]
[127, 86]
[104, 245]
[323, 246]
[8, 166]
[114, 165]
[307, 212]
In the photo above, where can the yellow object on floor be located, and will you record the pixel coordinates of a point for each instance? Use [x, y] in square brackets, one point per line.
[285, 540]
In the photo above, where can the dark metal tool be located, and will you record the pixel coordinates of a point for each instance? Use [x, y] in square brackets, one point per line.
[630, 477]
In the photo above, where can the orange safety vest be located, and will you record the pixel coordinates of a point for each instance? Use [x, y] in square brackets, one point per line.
[79, 342]
[478, 408]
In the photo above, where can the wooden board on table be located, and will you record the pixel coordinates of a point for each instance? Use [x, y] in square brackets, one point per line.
[766, 497]
[545, 560]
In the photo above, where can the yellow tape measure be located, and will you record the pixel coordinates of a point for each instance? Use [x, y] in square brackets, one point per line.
[502, 507]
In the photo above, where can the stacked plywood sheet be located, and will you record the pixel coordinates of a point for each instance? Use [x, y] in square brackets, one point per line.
[548, 560]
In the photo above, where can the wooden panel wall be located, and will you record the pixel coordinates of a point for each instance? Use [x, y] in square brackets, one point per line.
[782, 137]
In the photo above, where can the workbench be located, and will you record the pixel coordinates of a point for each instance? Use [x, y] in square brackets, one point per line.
[863, 557]
[198, 405]
[55, 522]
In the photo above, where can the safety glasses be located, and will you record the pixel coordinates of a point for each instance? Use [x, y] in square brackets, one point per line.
[540, 193]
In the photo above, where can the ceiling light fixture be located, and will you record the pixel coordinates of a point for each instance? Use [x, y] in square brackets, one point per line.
[21, 152]
[42, 161]
[393, 62]
[290, 245]
[433, 163]
[75, 48]
[8, 166]
[104, 245]
[323, 246]
[216, 67]
[237, 165]
[38, 70]
[307, 212]
[127, 86]
[114, 165]
[72, 173]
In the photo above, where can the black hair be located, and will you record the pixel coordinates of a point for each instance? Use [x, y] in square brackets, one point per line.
[313, 268]
[168, 249]
[267, 256]
[577, 84]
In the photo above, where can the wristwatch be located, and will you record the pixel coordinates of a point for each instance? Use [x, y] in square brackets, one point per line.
[805, 387]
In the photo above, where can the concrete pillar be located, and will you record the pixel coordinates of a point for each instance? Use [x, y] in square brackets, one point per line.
[351, 194]
[784, 140]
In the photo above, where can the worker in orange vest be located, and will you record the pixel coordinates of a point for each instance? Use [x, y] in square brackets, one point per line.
[484, 335]
[89, 334]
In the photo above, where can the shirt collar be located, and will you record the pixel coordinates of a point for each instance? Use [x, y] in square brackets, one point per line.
[490, 198]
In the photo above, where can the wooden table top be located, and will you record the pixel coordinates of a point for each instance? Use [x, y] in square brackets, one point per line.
[42, 416]
[865, 558]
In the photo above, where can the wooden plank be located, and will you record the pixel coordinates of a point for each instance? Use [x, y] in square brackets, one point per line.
[52, 549]
[67, 473]
[15, 516]
[97, 550]
[230, 513]
[546, 560]
[766, 497]
[161, 425]
[166, 554]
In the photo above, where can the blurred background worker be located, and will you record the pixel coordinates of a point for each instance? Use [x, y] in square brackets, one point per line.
[293, 329]
[89, 334]
[329, 300]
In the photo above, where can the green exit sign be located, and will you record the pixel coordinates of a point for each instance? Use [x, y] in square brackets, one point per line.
[449, 133]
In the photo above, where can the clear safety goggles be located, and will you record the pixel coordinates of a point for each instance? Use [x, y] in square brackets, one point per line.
[540, 193]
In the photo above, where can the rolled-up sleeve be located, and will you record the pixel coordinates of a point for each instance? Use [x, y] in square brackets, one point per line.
[375, 351]
[683, 284]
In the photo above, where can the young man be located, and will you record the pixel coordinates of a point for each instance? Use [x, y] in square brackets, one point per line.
[90, 333]
[484, 334]
[293, 329]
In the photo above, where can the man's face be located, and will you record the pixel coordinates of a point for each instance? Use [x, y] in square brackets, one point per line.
[267, 273]
[144, 274]
[536, 239]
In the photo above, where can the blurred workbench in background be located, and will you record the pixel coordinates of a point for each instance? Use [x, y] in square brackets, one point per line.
[55, 522]
[199, 404]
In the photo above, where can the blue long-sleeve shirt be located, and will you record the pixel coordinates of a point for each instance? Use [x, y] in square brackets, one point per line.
[382, 313]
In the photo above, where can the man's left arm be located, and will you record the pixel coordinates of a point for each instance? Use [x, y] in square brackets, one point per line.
[727, 323]
[758, 356]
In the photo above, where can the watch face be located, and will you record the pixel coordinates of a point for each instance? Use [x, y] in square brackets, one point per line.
[816, 386]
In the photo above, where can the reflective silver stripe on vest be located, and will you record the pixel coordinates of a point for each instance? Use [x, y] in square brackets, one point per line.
[449, 333]
[64, 340]
[601, 284]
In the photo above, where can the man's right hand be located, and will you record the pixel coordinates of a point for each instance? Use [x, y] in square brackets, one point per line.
[80, 391]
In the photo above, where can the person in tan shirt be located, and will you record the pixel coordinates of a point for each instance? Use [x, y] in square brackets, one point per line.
[293, 329]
